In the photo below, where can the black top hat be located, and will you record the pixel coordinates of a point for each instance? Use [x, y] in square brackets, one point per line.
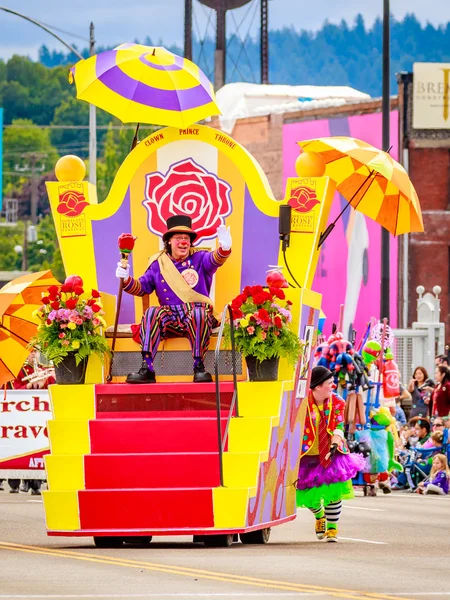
[319, 375]
[179, 224]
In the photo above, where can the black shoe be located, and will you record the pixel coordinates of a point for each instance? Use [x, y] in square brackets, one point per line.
[144, 375]
[200, 375]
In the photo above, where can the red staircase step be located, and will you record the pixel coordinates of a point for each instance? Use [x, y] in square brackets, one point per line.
[132, 471]
[161, 397]
[145, 509]
[128, 436]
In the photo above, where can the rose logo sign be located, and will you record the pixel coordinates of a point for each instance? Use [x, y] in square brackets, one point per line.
[71, 203]
[303, 199]
[187, 189]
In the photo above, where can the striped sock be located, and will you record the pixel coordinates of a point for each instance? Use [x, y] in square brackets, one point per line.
[318, 512]
[332, 513]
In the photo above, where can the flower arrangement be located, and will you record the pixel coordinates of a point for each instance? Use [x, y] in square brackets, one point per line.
[261, 319]
[70, 323]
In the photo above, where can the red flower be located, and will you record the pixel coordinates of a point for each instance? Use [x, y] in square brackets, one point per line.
[95, 294]
[237, 313]
[78, 290]
[126, 242]
[52, 289]
[278, 292]
[61, 335]
[96, 308]
[71, 203]
[187, 188]
[71, 303]
[278, 322]
[247, 291]
[90, 302]
[256, 289]
[261, 297]
[66, 288]
[45, 300]
[48, 322]
[303, 199]
[289, 302]
[238, 301]
[263, 315]
[55, 305]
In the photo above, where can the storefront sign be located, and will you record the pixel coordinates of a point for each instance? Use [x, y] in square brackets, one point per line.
[431, 106]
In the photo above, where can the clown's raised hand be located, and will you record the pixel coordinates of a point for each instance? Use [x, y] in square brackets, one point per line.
[224, 236]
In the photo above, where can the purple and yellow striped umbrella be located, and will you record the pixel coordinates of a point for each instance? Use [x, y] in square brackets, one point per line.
[143, 84]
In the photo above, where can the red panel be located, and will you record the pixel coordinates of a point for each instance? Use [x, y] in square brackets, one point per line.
[157, 414]
[140, 509]
[131, 471]
[162, 388]
[153, 435]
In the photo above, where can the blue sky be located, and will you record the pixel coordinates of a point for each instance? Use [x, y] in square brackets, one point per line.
[119, 21]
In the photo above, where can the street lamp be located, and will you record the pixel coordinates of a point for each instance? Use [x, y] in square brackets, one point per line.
[385, 239]
[92, 113]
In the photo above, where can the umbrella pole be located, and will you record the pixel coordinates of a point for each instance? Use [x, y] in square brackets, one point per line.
[331, 226]
[135, 139]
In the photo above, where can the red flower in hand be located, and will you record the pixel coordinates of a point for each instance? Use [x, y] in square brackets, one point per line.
[126, 242]
[71, 303]
[95, 294]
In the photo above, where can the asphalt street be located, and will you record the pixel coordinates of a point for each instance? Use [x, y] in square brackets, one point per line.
[395, 546]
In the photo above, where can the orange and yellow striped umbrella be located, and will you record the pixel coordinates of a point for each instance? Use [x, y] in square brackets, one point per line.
[371, 181]
[18, 301]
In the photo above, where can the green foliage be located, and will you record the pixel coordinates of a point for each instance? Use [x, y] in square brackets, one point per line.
[70, 324]
[262, 326]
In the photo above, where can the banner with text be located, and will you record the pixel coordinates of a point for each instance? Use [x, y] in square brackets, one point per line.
[23, 433]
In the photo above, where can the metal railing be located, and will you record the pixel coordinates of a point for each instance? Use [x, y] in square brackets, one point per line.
[222, 440]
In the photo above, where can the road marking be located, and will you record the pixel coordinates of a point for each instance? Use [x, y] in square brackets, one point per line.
[364, 541]
[363, 508]
[423, 594]
[196, 573]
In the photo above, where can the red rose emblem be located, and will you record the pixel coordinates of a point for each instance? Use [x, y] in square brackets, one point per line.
[187, 189]
[71, 203]
[303, 199]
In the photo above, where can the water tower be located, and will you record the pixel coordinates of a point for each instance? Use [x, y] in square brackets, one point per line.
[221, 7]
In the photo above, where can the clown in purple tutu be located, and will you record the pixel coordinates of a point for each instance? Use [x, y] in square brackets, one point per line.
[326, 465]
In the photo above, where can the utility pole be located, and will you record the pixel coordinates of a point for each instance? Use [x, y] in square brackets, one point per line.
[221, 46]
[188, 29]
[25, 247]
[264, 41]
[385, 239]
[92, 121]
[34, 189]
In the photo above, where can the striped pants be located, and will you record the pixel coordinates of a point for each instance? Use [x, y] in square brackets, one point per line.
[194, 321]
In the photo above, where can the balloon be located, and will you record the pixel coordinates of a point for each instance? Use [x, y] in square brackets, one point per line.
[74, 281]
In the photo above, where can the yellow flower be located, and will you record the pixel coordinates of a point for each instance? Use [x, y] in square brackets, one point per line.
[36, 313]
[75, 345]
[243, 323]
[71, 326]
[102, 321]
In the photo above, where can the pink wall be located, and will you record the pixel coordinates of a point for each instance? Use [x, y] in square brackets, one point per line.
[343, 279]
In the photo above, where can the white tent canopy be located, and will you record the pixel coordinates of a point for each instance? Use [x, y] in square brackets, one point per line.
[240, 100]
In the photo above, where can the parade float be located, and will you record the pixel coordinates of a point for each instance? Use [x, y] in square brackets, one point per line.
[215, 461]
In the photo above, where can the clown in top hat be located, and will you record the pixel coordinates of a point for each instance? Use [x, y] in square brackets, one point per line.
[182, 279]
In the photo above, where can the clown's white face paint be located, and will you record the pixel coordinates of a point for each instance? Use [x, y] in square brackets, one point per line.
[180, 245]
[323, 391]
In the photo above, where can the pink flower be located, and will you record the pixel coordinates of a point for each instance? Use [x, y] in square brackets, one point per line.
[263, 335]
[79, 321]
[62, 335]
[65, 342]
[251, 330]
[95, 322]
[73, 318]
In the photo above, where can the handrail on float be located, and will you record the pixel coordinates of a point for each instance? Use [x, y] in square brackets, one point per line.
[234, 401]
